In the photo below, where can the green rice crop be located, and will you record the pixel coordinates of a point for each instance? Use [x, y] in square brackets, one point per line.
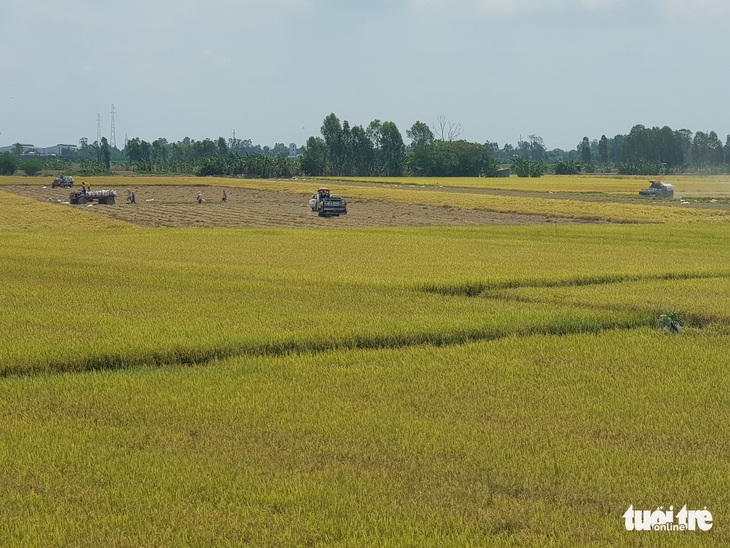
[533, 440]
[104, 299]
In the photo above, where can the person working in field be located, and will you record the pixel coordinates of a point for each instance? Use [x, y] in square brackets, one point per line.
[200, 198]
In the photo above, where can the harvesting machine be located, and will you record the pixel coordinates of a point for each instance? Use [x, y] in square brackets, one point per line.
[657, 189]
[327, 204]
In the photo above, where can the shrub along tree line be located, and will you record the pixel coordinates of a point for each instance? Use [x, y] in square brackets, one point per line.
[9, 163]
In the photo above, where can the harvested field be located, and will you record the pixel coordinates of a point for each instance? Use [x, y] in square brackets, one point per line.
[176, 206]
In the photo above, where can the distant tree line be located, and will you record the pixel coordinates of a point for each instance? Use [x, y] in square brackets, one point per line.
[437, 152]
[379, 150]
[647, 151]
[232, 157]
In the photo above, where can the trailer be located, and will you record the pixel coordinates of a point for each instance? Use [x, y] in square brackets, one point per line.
[82, 197]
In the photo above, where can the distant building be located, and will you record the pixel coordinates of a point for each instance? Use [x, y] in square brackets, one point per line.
[292, 149]
[57, 150]
[11, 148]
[41, 151]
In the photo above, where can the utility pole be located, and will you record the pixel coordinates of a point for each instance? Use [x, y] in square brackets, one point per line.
[113, 133]
[98, 128]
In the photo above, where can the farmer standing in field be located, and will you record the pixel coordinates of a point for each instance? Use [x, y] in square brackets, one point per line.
[225, 195]
[200, 197]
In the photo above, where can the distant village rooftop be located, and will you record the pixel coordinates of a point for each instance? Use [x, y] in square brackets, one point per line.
[32, 150]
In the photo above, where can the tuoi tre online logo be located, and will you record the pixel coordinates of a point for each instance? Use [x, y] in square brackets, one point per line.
[661, 520]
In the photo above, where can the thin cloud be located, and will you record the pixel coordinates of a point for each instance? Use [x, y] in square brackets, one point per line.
[513, 7]
[694, 8]
[664, 8]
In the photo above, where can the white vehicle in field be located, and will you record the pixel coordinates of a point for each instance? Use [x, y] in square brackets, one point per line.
[327, 204]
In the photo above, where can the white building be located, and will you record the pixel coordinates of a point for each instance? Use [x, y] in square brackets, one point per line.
[41, 151]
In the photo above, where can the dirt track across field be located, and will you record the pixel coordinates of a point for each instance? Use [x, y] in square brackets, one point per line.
[176, 206]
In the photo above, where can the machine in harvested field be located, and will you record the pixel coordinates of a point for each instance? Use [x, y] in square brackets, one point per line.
[657, 189]
[63, 182]
[101, 196]
[327, 204]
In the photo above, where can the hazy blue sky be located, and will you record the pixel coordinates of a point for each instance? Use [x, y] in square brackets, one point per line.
[273, 69]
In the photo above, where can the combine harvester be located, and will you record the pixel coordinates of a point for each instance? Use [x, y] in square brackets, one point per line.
[657, 189]
[326, 204]
[101, 196]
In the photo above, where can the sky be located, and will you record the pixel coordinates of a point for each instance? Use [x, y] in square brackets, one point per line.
[271, 70]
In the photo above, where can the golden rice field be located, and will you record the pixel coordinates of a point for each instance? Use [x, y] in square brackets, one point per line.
[715, 186]
[567, 203]
[410, 386]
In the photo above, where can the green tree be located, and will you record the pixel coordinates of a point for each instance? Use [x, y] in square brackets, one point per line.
[222, 147]
[566, 167]
[715, 151]
[521, 166]
[585, 151]
[332, 133]
[105, 154]
[8, 163]
[31, 166]
[314, 159]
[392, 150]
[362, 151]
[138, 153]
[537, 148]
[603, 149]
[460, 159]
[420, 135]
